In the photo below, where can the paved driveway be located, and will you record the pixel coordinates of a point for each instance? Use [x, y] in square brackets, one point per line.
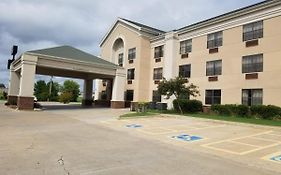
[92, 141]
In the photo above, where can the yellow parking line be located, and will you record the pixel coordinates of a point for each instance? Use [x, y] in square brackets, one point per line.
[258, 149]
[245, 144]
[220, 149]
[268, 157]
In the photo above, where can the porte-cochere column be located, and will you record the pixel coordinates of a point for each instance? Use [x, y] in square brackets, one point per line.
[118, 89]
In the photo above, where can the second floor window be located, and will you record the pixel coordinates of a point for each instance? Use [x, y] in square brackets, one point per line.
[120, 59]
[131, 74]
[132, 54]
[253, 31]
[214, 40]
[159, 52]
[252, 63]
[184, 71]
[157, 73]
[214, 68]
[185, 46]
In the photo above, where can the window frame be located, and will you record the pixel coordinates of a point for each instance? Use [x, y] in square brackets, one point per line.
[253, 31]
[217, 40]
[121, 59]
[156, 97]
[159, 51]
[249, 99]
[132, 53]
[213, 97]
[131, 74]
[185, 73]
[217, 64]
[157, 74]
[254, 65]
[186, 46]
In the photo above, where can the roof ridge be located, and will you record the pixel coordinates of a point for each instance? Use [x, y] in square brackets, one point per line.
[142, 25]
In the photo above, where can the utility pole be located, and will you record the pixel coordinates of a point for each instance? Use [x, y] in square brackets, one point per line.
[50, 88]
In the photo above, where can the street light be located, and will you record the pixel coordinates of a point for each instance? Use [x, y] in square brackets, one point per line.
[14, 51]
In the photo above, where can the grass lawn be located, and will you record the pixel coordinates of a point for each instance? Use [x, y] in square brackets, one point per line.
[206, 116]
[138, 114]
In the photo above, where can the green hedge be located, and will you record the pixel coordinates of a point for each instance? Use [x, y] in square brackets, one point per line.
[269, 112]
[188, 106]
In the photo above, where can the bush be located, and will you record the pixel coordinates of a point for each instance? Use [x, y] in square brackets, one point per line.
[266, 112]
[188, 106]
[65, 97]
[239, 110]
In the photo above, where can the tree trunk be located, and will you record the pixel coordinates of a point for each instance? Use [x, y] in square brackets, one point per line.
[179, 106]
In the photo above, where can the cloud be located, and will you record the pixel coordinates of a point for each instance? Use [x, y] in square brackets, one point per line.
[33, 24]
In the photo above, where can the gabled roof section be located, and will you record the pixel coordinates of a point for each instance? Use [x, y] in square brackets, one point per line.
[69, 52]
[230, 15]
[138, 26]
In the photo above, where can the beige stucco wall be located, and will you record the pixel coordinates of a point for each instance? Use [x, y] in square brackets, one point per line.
[232, 81]
[131, 39]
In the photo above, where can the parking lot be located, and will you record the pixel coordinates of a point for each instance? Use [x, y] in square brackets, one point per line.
[94, 141]
[250, 144]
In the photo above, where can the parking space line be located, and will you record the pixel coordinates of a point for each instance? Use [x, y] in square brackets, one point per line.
[168, 131]
[270, 156]
[258, 149]
[245, 144]
[220, 149]
[270, 140]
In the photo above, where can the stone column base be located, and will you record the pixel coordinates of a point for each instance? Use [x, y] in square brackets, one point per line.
[117, 104]
[87, 102]
[25, 103]
[12, 99]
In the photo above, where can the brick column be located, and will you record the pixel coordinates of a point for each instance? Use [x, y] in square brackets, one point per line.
[14, 86]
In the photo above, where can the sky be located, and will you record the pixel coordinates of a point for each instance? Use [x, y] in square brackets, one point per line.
[37, 24]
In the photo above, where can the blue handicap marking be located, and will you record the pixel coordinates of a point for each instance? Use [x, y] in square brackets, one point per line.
[187, 138]
[134, 126]
[276, 158]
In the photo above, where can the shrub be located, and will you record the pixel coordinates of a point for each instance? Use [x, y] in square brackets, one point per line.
[239, 110]
[266, 112]
[65, 97]
[222, 109]
[189, 106]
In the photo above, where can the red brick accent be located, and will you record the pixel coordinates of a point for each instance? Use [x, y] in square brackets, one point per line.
[213, 78]
[25, 103]
[214, 50]
[252, 76]
[12, 100]
[252, 43]
[117, 104]
[184, 55]
[87, 102]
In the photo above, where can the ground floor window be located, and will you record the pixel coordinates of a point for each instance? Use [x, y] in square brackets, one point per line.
[103, 95]
[156, 97]
[252, 97]
[212, 97]
[129, 95]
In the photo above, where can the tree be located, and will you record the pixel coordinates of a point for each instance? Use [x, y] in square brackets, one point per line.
[53, 91]
[177, 87]
[72, 87]
[41, 91]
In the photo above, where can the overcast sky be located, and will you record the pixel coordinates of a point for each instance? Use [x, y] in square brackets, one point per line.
[36, 24]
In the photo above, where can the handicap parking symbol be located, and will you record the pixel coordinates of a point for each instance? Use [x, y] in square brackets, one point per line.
[187, 138]
[276, 158]
[134, 126]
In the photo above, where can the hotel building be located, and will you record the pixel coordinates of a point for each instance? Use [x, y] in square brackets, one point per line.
[234, 58]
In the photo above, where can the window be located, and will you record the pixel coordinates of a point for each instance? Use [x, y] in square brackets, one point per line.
[129, 95]
[157, 73]
[252, 63]
[156, 97]
[103, 95]
[253, 31]
[185, 46]
[214, 68]
[252, 97]
[132, 54]
[213, 97]
[184, 71]
[158, 51]
[131, 74]
[120, 59]
[214, 40]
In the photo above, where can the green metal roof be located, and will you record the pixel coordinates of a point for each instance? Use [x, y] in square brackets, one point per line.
[72, 53]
